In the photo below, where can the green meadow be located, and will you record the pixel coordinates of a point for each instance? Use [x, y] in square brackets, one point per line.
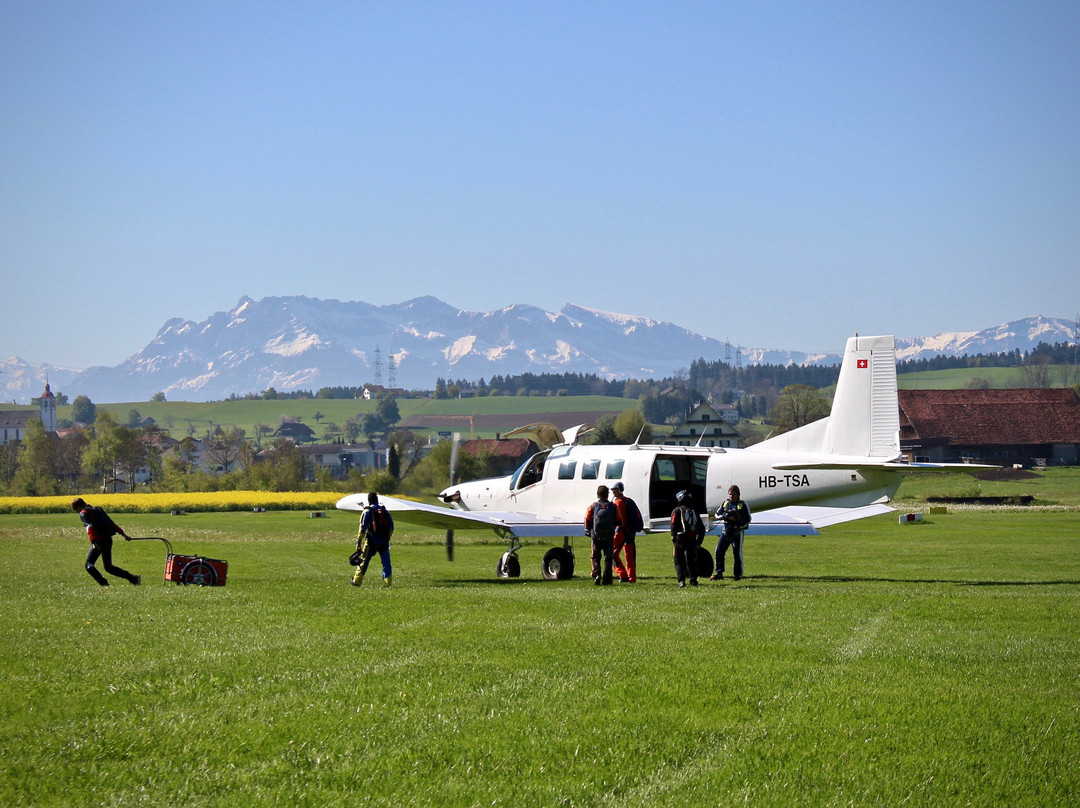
[877, 664]
[180, 418]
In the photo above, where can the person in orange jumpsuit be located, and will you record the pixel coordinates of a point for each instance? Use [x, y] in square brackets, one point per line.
[629, 523]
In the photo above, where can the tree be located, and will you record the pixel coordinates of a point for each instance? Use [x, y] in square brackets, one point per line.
[387, 410]
[604, 434]
[113, 448]
[261, 431]
[630, 425]
[432, 473]
[799, 404]
[83, 410]
[157, 397]
[37, 473]
[352, 430]
[1037, 371]
[226, 448]
[283, 468]
[371, 424]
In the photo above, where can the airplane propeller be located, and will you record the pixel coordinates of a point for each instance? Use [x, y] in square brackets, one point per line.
[453, 480]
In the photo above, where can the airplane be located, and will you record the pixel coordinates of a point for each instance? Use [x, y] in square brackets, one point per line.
[842, 467]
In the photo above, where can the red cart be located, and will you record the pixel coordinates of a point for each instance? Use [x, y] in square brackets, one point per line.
[190, 570]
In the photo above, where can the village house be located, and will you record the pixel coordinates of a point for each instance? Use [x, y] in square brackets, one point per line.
[341, 458]
[13, 424]
[1029, 427]
[703, 427]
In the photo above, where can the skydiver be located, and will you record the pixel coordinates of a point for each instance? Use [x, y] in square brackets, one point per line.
[734, 514]
[100, 529]
[629, 523]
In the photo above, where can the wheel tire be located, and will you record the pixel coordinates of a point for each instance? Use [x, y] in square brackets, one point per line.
[558, 564]
[508, 566]
[198, 572]
[704, 563]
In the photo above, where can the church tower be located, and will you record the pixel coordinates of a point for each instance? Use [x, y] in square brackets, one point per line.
[48, 409]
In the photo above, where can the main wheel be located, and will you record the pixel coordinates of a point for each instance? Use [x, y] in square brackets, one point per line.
[704, 563]
[558, 564]
[198, 572]
[508, 566]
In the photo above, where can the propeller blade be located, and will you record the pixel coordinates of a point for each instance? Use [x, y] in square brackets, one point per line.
[453, 479]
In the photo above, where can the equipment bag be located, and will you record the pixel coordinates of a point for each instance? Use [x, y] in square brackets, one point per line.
[603, 518]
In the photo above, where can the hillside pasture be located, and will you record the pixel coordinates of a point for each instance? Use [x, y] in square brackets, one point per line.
[472, 417]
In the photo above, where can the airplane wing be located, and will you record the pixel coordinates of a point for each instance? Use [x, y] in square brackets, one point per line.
[804, 520]
[793, 520]
[503, 523]
[859, 463]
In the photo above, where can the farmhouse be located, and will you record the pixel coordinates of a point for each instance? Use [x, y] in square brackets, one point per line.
[703, 427]
[1025, 427]
[296, 432]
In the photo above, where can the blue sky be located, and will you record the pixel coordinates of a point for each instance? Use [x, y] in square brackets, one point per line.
[778, 174]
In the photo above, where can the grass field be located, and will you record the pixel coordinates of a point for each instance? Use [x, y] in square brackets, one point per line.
[876, 664]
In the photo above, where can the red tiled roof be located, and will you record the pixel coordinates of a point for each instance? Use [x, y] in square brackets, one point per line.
[992, 417]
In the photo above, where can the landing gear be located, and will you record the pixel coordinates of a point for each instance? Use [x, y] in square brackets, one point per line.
[558, 564]
[508, 565]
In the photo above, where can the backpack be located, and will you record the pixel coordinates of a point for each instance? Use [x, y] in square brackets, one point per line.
[633, 516]
[379, 527]
[693, 528]
[603, 519]
[101, 522]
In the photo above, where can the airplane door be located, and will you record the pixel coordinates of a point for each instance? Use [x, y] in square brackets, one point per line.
[672, 474]
[718, 482]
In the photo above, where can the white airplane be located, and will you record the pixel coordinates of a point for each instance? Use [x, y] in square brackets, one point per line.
[843, 467]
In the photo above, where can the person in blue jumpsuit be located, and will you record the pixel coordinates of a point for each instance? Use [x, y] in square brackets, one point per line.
[734, 514]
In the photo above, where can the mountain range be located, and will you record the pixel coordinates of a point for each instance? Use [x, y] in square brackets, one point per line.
[301, 343]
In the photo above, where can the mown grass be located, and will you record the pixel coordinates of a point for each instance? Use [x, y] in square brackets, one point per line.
[877, 664]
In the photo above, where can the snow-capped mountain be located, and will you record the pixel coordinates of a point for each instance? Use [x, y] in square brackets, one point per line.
[291, 343]
[1021, 335]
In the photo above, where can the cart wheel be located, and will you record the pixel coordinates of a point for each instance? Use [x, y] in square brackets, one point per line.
[198, 572]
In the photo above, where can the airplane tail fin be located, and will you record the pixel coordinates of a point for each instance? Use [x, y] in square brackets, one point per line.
[865, 417]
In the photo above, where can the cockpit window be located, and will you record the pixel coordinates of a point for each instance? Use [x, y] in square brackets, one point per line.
[530, 472]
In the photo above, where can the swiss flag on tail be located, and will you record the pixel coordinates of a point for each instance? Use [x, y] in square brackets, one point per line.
[864, 363]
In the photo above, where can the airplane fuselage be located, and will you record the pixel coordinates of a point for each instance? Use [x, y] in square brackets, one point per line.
[564, 480]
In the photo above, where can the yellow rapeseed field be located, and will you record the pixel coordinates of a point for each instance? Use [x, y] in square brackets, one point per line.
[188, 502]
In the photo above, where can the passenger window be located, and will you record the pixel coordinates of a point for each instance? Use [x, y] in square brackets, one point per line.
[566, 469]
[614, 469]
[590, 469]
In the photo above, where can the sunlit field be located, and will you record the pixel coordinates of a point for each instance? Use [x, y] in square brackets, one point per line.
[876, 664]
